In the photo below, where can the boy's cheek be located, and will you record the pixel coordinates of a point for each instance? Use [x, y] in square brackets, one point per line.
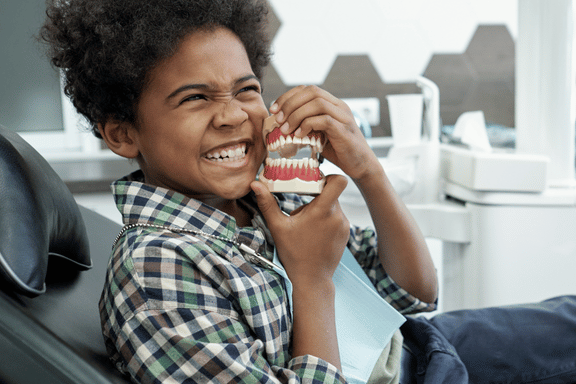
[258, 119]
[260, 109]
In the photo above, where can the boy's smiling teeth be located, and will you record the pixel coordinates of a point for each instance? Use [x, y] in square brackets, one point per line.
[233, 153]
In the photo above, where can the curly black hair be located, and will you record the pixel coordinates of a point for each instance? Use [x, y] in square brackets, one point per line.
[106, 47]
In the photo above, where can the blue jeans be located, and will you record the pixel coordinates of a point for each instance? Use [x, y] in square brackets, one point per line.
[533, 343]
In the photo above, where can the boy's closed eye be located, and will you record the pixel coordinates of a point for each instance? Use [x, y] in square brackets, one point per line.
[249, 88]
[200, 96]
[194, 97]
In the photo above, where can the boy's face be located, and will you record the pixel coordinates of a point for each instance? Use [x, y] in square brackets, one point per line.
[200, 119]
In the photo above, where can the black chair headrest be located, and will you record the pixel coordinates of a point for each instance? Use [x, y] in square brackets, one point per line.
[39, 218]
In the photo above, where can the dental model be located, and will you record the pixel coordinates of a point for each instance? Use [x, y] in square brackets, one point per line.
[285, 173]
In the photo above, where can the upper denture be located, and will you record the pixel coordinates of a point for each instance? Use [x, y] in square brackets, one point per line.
[276, 139]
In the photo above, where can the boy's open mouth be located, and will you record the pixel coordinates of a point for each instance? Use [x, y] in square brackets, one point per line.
[292, 164]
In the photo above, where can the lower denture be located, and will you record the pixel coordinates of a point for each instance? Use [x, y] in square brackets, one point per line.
[272, 172]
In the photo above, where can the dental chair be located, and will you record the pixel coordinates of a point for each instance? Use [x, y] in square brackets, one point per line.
[53, 256]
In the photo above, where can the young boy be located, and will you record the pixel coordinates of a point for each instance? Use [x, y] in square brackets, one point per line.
[190, 295]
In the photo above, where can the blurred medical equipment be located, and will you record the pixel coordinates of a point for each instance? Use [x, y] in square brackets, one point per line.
[506, 218]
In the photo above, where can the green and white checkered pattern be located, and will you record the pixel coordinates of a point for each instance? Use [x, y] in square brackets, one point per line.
[182, 308]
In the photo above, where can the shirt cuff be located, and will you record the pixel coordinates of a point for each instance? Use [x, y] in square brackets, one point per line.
[401, 299]
[312, 369]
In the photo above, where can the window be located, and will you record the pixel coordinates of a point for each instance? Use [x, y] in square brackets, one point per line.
[32, 102]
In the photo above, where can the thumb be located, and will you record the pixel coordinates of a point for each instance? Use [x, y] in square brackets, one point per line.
[266, 202]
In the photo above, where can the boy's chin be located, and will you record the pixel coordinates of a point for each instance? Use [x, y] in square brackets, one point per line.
[236, 193]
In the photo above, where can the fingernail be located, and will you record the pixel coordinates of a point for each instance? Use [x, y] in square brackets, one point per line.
[274, 108]
[298, 132]
[279, 117]
[285, 128]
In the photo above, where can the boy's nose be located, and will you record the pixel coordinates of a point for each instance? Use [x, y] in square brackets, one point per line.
[229, 114]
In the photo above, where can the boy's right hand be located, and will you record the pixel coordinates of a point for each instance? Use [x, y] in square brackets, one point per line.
[310, 241]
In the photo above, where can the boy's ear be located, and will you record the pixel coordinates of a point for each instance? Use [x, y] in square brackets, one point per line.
[120, 138]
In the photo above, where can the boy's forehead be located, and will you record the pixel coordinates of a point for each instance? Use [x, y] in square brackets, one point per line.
[208, 58]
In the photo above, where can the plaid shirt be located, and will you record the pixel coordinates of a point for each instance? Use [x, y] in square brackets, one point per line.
[180, 308]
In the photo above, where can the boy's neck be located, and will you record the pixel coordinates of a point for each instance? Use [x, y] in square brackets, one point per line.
[233, 208]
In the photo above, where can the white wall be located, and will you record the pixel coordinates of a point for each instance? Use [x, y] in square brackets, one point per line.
[314, 32]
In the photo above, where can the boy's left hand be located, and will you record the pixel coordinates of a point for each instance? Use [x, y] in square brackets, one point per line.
[404, 254]
[309, 108]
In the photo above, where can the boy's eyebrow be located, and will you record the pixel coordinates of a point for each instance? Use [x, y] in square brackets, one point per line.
[188, 87]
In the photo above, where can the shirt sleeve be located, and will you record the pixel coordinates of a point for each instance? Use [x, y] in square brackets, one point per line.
[363, 245]
[192, 346]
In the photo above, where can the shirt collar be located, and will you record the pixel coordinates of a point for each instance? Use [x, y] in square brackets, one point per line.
[142, 203]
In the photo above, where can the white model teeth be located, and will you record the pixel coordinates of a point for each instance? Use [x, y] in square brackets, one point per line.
[293, 163]
[232, 154]
[282, 141]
